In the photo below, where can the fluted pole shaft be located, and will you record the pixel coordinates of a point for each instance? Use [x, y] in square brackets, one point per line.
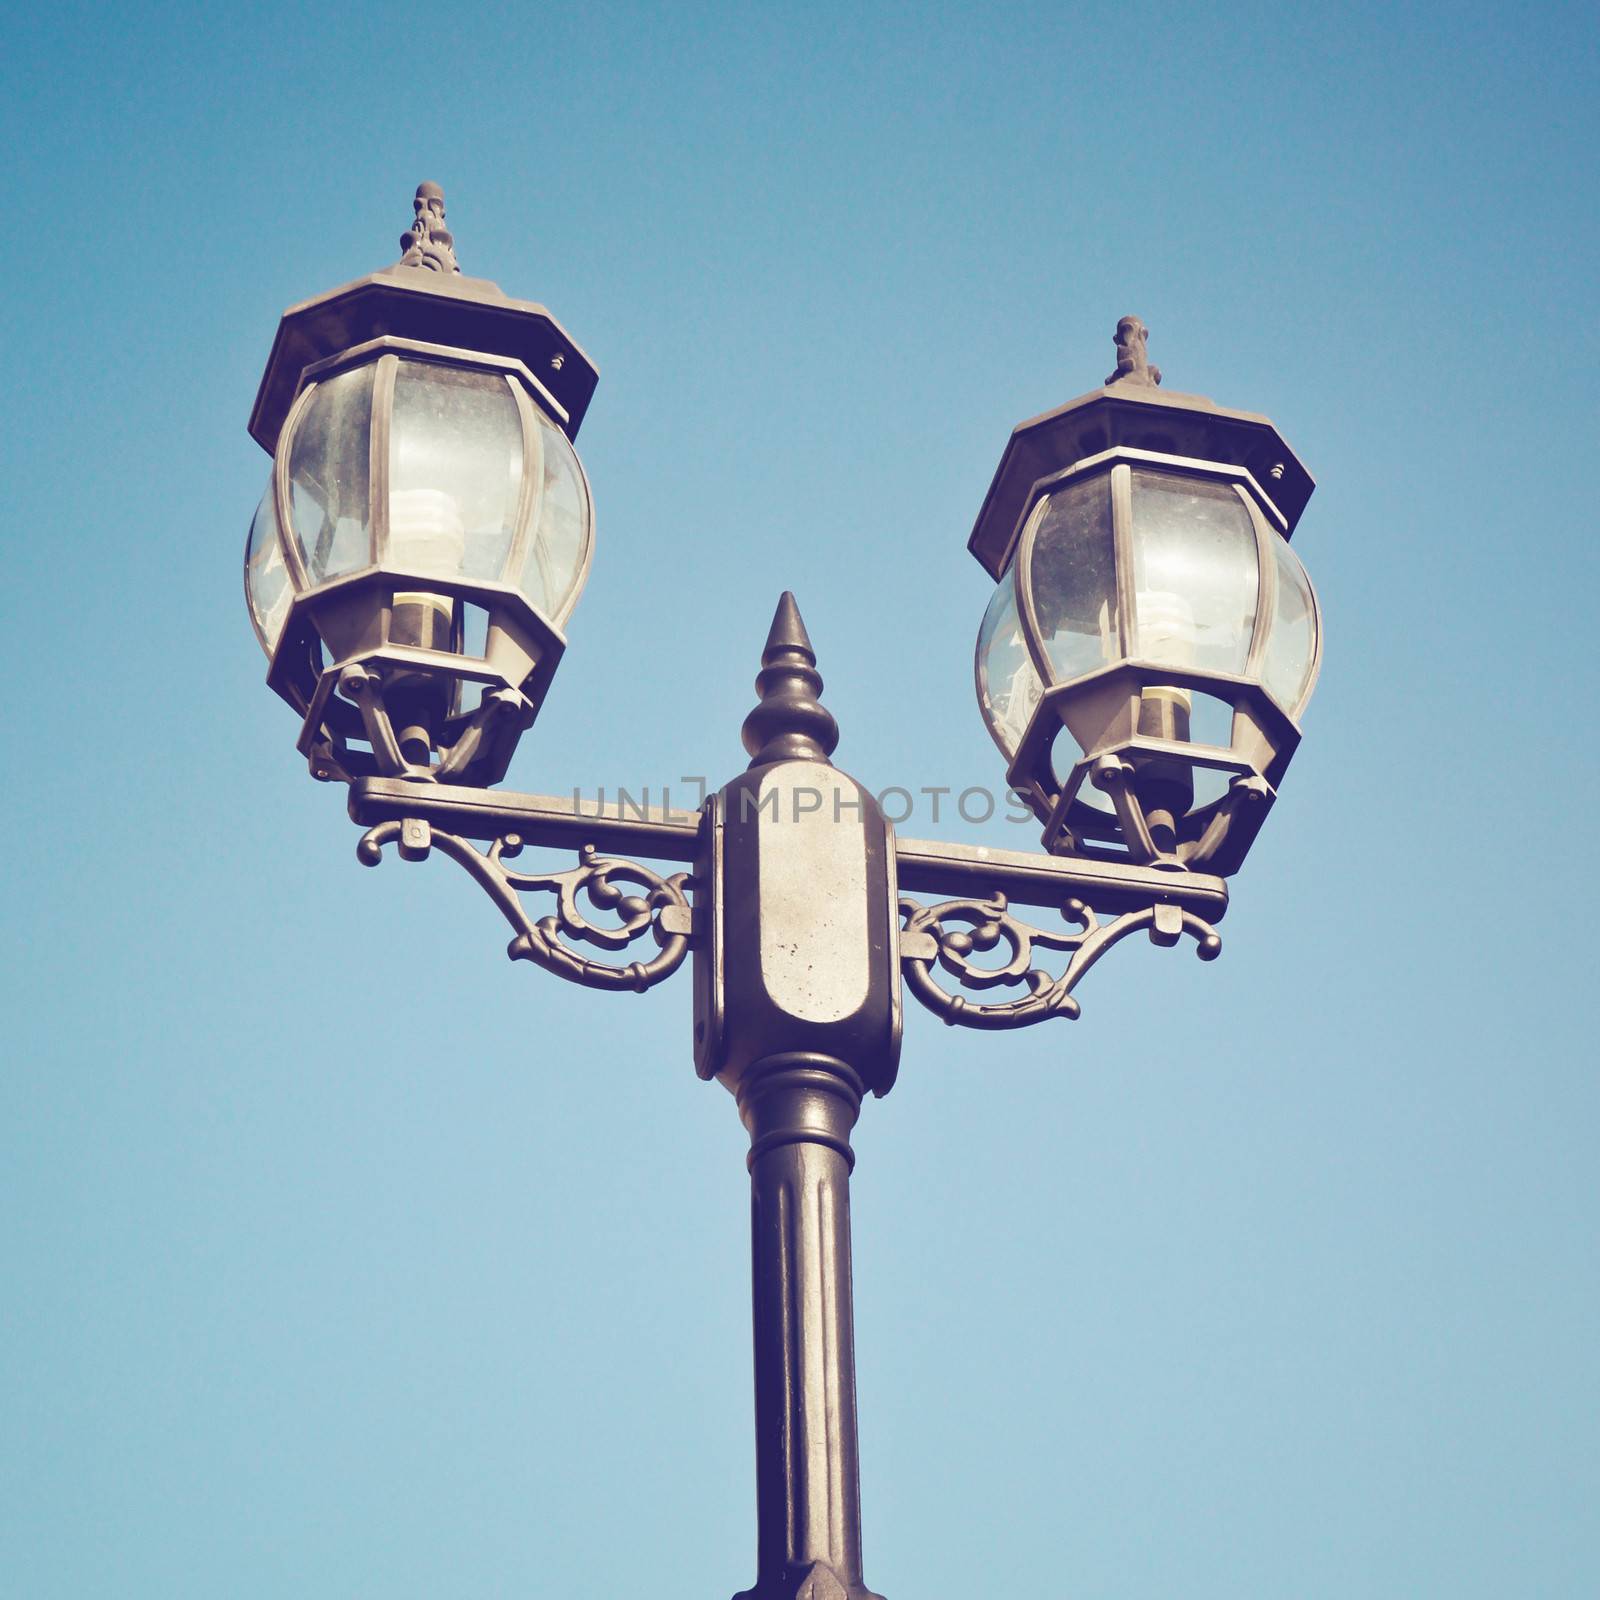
[799, 1109]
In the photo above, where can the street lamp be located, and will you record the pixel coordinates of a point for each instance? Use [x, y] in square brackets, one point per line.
[1151, 642]
[426, 528]
[1152, 637]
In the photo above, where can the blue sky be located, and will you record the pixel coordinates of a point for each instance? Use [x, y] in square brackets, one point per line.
[344, 1258]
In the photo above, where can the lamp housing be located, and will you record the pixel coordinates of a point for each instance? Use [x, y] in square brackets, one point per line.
[1152, 639]
[427, 526]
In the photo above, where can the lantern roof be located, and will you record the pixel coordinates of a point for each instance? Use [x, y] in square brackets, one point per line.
[424, 298]
[1131, 412]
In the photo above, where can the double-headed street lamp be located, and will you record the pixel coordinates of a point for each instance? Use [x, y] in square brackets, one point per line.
[1152, 640]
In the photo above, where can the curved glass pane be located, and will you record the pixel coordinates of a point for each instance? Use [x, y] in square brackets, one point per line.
[1073, 574]
[455, 471]
[1065, 754]
[266, 578]
[1292, 644]
[1194, 572]
[554, 563]
[1008, 686]
[329, 458]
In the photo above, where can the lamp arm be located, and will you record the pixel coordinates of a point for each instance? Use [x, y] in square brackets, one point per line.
[977, 886]
[489, 814]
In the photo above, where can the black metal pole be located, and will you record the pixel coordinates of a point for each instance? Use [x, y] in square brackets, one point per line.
[798, 1013]
[799, 1109]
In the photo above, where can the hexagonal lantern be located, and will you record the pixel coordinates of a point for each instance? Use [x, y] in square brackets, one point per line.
[1152, 640]
[427, 527]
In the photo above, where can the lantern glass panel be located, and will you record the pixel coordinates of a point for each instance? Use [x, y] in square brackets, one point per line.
[1194, 571]
[1008, 685]
[1065, 754]
[1073, 578]
[455, 471]
[1292, 644]
[329, 460]
[266, 577]
[554, 564]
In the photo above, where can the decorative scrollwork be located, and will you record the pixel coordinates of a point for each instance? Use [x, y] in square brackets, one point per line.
[983, 925]
[660, 908]
[428, 242]
[1133, 361]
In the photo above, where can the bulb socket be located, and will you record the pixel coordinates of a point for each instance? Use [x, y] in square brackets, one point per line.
[1164, 785]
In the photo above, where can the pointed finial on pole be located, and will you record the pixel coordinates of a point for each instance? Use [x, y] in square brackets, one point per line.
[1133, 364]
[789, 723]
[427, 242]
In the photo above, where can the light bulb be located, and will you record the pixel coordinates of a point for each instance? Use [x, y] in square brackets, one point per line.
[425, 535]
[1166, 635]
[425, 531]
[1165, 787]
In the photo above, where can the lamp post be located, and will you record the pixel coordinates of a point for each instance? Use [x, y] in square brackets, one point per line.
[1152, 640]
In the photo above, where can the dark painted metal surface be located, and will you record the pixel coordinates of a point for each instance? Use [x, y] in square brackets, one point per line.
[797, 875]
[1132, 416]
[423, 297]
[658, 907]
[1132, 339]
[924, 866]
[799, 1109]
[960, 937]
[934, 866]
[428, 242]
[489, 814]
[797, 1013]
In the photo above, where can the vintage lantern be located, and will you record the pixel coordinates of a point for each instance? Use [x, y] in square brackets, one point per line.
[427, 527]
[1152, 640]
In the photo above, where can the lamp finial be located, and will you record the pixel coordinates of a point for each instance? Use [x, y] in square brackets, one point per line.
[789, 723]
[427, 242]
[1133, 364]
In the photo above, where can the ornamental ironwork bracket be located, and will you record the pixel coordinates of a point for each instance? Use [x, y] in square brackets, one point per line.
[949, 935]
[662, 910]
[424, 816]
[1103, 901]
[978, 890]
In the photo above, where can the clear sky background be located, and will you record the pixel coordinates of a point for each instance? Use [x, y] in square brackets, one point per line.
[341, 1258]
